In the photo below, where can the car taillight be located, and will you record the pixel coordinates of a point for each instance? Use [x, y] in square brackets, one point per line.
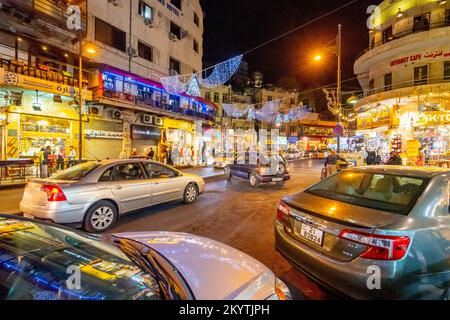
[379, 247]
[54, 193]
[282, 210]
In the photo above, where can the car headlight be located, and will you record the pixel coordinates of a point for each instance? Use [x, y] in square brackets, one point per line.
[282, 291]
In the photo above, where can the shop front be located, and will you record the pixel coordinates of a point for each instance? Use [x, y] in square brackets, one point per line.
[103, 139]
[144, 139]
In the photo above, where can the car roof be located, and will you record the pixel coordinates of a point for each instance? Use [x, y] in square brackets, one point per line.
[421, 172]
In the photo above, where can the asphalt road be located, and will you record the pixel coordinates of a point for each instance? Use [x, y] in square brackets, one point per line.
[230, 212]
[240, 216]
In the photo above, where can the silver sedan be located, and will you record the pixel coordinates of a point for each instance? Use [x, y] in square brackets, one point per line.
[93, 195]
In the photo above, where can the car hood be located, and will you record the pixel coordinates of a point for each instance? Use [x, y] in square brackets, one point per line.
[213, 270]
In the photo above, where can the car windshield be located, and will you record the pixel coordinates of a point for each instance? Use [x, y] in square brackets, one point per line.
[77, 172]
[40, 262]
[381, 191]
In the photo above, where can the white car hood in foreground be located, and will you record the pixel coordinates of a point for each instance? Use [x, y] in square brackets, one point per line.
[213, 270]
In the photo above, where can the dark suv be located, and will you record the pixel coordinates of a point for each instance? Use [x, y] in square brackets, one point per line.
[258, 168]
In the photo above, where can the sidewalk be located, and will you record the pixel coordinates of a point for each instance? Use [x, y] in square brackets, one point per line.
[208, 173]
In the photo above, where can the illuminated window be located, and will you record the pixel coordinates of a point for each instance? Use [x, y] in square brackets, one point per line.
[145, 10]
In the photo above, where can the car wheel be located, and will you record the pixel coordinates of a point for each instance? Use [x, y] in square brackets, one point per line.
[190, 194]
[227, 173]
[100, 217]
[254, 182]
[281, 168]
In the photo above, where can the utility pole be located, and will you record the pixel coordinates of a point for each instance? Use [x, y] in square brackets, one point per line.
[80, 93]
[338, 92]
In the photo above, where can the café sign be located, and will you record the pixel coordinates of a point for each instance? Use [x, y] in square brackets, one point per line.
[417, 57]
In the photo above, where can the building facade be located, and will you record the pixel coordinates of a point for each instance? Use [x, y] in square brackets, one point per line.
[127, 46]
[405, 75]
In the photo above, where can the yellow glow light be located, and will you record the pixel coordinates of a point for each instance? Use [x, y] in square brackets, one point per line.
[317, 57]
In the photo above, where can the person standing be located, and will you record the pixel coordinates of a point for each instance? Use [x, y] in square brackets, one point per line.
[151, 154]
[72, 156]
[192, 155]
[394, 160]
[45, 161]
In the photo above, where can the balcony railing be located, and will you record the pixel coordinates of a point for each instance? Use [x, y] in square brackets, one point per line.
[415, 29]
[46, 69]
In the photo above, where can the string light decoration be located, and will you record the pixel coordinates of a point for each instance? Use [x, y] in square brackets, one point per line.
[193, 87]
[234, 111]
[190, 83]
[251, 115]
[332, 103]
[222, 72]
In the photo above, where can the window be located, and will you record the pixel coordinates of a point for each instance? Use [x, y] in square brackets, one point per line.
[269, 98]
[195, 46]
[40, 254]
[175, 29]
[388, 81]
[110, 35]
[371, 85]
[176, 3]
[145, 52]
[196, 20]
[387, 35]
[421, 23]
[106, 176]
[216, 97]
[157, 171]
[392, 193]
[174, 66]
[208, 96]
[78, 172]
[226, 98]
[128, 171]
[145, 10]
[447, 70]
[420, 75]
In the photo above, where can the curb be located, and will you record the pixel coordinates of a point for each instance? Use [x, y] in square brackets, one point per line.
[214, 178]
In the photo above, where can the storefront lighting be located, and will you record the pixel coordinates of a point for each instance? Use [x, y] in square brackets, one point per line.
[44, 48]
[42, 123]
[19, 39]
[66, 55]
[442, 2]
[400, 13]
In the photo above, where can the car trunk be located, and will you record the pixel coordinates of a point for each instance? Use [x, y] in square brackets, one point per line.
[317, 222]
[35, 195]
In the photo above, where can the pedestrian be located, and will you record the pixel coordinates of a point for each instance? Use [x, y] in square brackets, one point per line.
[134, 153]
[365, 155]
[45, 161]
[394, 159]
[331, 162]
[192, 155]
[72, 156]
[377, 159]
[151, 154]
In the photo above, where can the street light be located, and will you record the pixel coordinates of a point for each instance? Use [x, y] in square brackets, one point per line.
[337, 102]
[90, 50]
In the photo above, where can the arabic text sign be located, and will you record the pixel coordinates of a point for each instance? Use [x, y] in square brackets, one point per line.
[18, 80]
[420, 56]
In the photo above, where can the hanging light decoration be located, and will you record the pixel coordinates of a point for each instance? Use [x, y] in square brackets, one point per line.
[193, 87]
[221, 73]
[174, 84]
[251, 116]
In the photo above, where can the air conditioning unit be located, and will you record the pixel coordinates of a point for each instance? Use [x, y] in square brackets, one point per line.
[114, 2]
[173, 37]
[132, 52]
[149, 22]
[115, 114]
[96, 111]
[146, 118]
[158, 121]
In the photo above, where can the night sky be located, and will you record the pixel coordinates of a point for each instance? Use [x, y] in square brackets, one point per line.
[235, 26]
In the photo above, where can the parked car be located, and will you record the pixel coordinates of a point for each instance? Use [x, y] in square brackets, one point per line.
[41, 261]
[391, 223]
[223, 160]
[292, 154]
[94, 195]
[257, 168]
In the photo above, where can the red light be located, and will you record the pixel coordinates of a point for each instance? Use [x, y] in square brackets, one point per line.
[54, 193]
[379, 247]
[282, 210]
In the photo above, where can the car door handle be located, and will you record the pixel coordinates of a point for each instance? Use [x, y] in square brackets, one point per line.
[118, 187]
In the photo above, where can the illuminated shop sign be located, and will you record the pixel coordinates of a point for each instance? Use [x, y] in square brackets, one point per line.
[420, 57]
[431, 118]
[103, 134]
[145, 132]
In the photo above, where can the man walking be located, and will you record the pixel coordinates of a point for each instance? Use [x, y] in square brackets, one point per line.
[72, 156]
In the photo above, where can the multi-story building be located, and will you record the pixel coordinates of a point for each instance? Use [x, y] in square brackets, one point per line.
[405, 75]
[127, 46]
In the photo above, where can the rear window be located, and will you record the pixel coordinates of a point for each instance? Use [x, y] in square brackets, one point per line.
[77, 172]
[392, 193]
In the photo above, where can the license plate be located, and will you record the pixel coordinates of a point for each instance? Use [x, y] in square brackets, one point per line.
[29, 216]
[277, 179]
[309, 233]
